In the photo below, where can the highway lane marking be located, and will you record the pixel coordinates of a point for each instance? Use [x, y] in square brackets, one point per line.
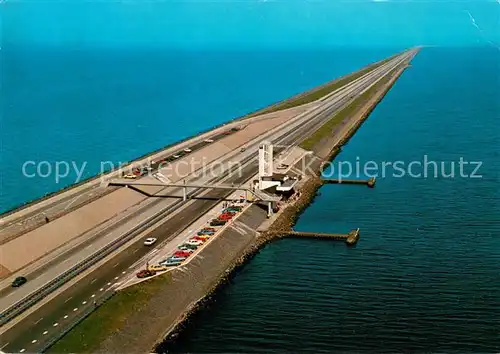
[137, 249]
[88, 246]
[41, 318]
[116, 265]
[93, 280]
[69, 298]
[4, 346]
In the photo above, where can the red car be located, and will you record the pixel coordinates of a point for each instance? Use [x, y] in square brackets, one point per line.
[145, 273]
[182, 254]
[198, 238]
[225, 216]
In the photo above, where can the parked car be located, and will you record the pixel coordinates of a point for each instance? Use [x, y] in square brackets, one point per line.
[198, 238]
[187, 150]
[130, 176]
[157, 268]
[145, 273]
[194, 242]
[209, 140]
[205, 232]
[187, 246]
[209, 229]
[19, 281]
[182, 254]
[217, 222]
[149, 241]
[172, 258]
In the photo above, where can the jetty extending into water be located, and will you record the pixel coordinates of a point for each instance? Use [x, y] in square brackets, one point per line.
[369, 182]
[350, 238]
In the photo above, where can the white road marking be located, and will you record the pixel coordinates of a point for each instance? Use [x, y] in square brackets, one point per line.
[93, 281]
[115, 265]
[69, 298]
[135, 250]
[41, 318]
[56, 324]
[44, 333]
[6, 344]
[88, 246]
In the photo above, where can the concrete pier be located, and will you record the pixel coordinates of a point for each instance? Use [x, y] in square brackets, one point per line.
[350, 238]
[369, 182]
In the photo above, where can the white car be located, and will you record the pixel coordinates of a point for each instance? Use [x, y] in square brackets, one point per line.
[149, 241]
[187, 150]
[194, 242]
[209, 141]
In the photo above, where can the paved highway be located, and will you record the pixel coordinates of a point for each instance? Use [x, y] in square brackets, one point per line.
[50, 318]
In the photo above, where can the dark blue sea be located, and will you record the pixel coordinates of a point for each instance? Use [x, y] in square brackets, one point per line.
[425, 275]
[84, 107]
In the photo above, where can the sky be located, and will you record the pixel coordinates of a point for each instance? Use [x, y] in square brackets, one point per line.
[249, 23]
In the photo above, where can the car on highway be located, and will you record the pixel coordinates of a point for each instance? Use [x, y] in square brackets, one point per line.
[187, 150]
[19, 281]
[149, 241]
[145, 273]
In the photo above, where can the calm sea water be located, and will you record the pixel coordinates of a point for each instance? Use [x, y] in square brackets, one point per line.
[425, 274]
[91, 106]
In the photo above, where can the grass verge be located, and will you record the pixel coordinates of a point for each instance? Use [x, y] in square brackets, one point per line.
[320, 91]
[326, 129]
[87, 336]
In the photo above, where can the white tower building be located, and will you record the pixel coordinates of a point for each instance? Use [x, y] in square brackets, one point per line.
[265, 164]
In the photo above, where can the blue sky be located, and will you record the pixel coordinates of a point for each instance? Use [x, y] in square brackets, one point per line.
[248, 23]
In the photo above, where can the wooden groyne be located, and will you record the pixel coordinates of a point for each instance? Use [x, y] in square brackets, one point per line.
[350, 238]
[369, 182]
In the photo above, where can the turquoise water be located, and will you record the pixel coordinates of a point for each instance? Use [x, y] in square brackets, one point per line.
[424, 275]
[85, 107]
